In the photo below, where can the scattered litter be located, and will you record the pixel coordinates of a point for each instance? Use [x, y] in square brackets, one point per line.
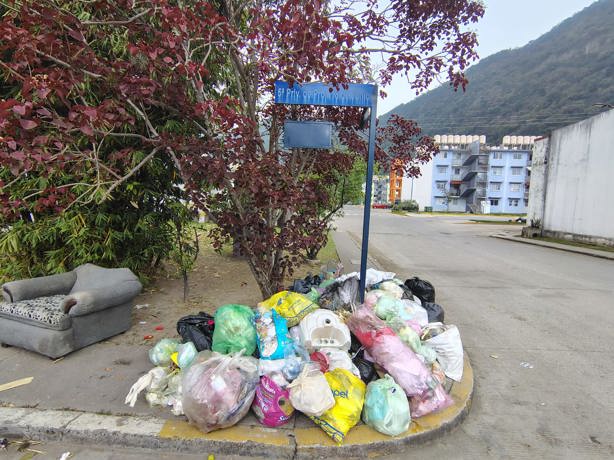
[58, 360]
[526, 365]
[15, 383]
[4, 443]
[494, 356]
[65, 456]
[142, 322]
[147, 337]
[142, 305]
[159, 328]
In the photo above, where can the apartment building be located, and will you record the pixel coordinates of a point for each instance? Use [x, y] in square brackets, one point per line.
[469, 176]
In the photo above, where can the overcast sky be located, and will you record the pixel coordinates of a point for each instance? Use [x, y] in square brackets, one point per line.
[506, 24]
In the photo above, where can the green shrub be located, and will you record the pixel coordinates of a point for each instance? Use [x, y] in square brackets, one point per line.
[408, 205]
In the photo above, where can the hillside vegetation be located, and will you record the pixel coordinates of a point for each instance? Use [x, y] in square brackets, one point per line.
[551, 82]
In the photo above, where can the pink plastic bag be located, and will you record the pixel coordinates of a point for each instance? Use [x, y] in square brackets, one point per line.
[431, 401]
[366, 326]
[391, 353]
[272, 404]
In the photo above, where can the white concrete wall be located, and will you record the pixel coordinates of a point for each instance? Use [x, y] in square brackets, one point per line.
[580, 179]
[422, 187]
[537, 190]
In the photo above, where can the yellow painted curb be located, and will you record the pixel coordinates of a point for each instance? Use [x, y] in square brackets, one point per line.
[183, 430]
[312, 439]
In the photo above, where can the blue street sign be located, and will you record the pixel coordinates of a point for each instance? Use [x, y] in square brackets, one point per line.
[356, 95]
[308, 134]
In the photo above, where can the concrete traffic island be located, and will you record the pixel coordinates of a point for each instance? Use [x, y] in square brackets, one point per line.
[297, 439]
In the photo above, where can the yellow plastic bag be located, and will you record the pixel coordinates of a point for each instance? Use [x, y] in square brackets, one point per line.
[349, 393]
[291, 305]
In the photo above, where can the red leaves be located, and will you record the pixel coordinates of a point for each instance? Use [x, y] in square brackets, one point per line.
[27, 124]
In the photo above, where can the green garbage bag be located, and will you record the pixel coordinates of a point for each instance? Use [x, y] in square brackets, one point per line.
[386, 407]
[234, 330]
[412, 339]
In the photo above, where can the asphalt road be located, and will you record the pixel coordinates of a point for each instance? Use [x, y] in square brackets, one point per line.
[514, 304]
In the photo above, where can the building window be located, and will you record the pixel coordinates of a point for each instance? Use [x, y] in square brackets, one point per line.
[495, 186]
[445, 154]
[440, 200]
[516, 171]
[513, 202]
[441, 185]
[442, 169]
[494, 202]
[457, 171]
[526, 202]
[497, 170]
[515, 187]
[454, 201]
[517, 156]
[457, 156]
[497, 156]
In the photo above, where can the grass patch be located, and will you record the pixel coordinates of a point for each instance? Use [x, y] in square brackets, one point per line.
[574, 243]
[399, 212]
[329, 252]
[465, 214]
[495, 222]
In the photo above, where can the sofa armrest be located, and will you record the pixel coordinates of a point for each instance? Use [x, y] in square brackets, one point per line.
[85, 302]
[43, 286]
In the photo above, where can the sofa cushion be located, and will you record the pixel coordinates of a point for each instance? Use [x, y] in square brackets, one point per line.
[44, 312]
[90, 276]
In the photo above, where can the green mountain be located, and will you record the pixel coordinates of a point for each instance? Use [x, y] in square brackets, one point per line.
[550, 82]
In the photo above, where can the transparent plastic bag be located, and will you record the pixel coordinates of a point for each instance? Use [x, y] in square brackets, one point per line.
[386, 407]
[160, 354]
[412, 339]
[217, 393]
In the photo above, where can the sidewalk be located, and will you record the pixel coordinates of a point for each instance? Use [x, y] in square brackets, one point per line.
[559, 246]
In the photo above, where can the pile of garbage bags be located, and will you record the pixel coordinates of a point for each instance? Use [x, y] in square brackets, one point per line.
[318, 351]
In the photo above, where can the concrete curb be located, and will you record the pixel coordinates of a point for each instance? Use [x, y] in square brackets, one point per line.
[176, 435]
[560, 247]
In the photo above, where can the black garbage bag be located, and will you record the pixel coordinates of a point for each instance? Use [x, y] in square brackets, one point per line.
[366, 368]
[304, 286]
[197, 329]
[435, 311]
[421, 289]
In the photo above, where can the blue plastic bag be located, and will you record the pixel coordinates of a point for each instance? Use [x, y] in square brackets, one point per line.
[272, 335]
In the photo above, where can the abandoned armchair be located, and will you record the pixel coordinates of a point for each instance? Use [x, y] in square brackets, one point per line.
[54, 315]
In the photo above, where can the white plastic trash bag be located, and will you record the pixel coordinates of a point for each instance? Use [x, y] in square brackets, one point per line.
[449, 348]
[339, 359]
[310, 393]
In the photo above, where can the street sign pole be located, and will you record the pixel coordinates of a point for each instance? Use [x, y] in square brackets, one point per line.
[368, 190]
[350, 95]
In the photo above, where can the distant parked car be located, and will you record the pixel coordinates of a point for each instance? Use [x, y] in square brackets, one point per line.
[381, 206]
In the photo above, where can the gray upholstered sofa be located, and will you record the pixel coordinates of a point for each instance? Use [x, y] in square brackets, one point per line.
[54, 315]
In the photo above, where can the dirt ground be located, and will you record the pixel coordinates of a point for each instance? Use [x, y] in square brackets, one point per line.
[216, 279]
